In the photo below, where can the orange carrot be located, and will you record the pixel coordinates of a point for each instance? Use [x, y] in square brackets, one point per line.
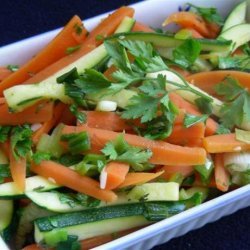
[92, 242]
[190, 20]
[4, 73]
[182, 136]
[224, 143]
[55, 50]
[163, 152]
[66, 177]
[108, 73]
[105, 28]
[169, 171]
[207, 80]
[49, 124]
[187, 20]
[142, 27]
[116, 174]
[181, 71]
[195, 33]
[40, 112]
[139, 178]
[100, 240]
[33, 247]
[211, 125]
[2, 100]
[105, 120]
[222, 177]
[18, 171]
[68, 118]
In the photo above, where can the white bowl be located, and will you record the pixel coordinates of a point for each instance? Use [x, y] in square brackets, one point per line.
[153, 13]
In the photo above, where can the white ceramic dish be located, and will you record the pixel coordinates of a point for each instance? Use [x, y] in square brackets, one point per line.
[153, 13]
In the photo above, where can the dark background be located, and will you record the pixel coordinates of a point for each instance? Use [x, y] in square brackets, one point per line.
[24, 18]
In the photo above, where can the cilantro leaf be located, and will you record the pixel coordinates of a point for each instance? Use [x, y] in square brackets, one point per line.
[4, 133]
[236, 108]
[209, 14]
[190, 120]
[21, 141]
[186, 53]
[120, 150]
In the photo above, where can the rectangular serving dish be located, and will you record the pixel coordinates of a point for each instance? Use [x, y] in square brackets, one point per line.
[151, 12]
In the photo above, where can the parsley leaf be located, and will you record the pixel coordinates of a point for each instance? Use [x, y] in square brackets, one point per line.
[77, 142]
[236, 108]
[4, 172]
[190, 120]
[21, 141]
[4, 133]
[91, 165]
[120, 150]
[143, 106]
[40, 156]
[70, 50]
[71, 243]
[235, 62]
[222, 130]
[92, 81]
[209, 14]
[12, 67]
[186, 53]
[80, 116]
[204, 105]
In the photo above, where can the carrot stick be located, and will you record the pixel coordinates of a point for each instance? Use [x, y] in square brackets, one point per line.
[49, 124]
[92, 242]
[222, 177]
[163, 152]
[207, 80]
[33, 247]
[139, 178]
[18, 171]
[211, 125]
[195, 33]
[105, 28]
[190, 20]
[224, 143]
[108, 73]
[4, 73]
[54, 51]
[2, 100]
[105, 120]
[40, 112]
[169, 171]
[116, 174]
[182, 136]
[142, 27]
[69, 178]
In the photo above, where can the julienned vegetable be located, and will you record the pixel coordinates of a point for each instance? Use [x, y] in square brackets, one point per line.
[118, 122]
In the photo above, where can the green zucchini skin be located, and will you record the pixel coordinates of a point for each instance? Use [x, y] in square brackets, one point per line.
[104, 220]
[110, 212]
[168, 41]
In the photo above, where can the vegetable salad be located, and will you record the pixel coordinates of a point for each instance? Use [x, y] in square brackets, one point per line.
[123, 126]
